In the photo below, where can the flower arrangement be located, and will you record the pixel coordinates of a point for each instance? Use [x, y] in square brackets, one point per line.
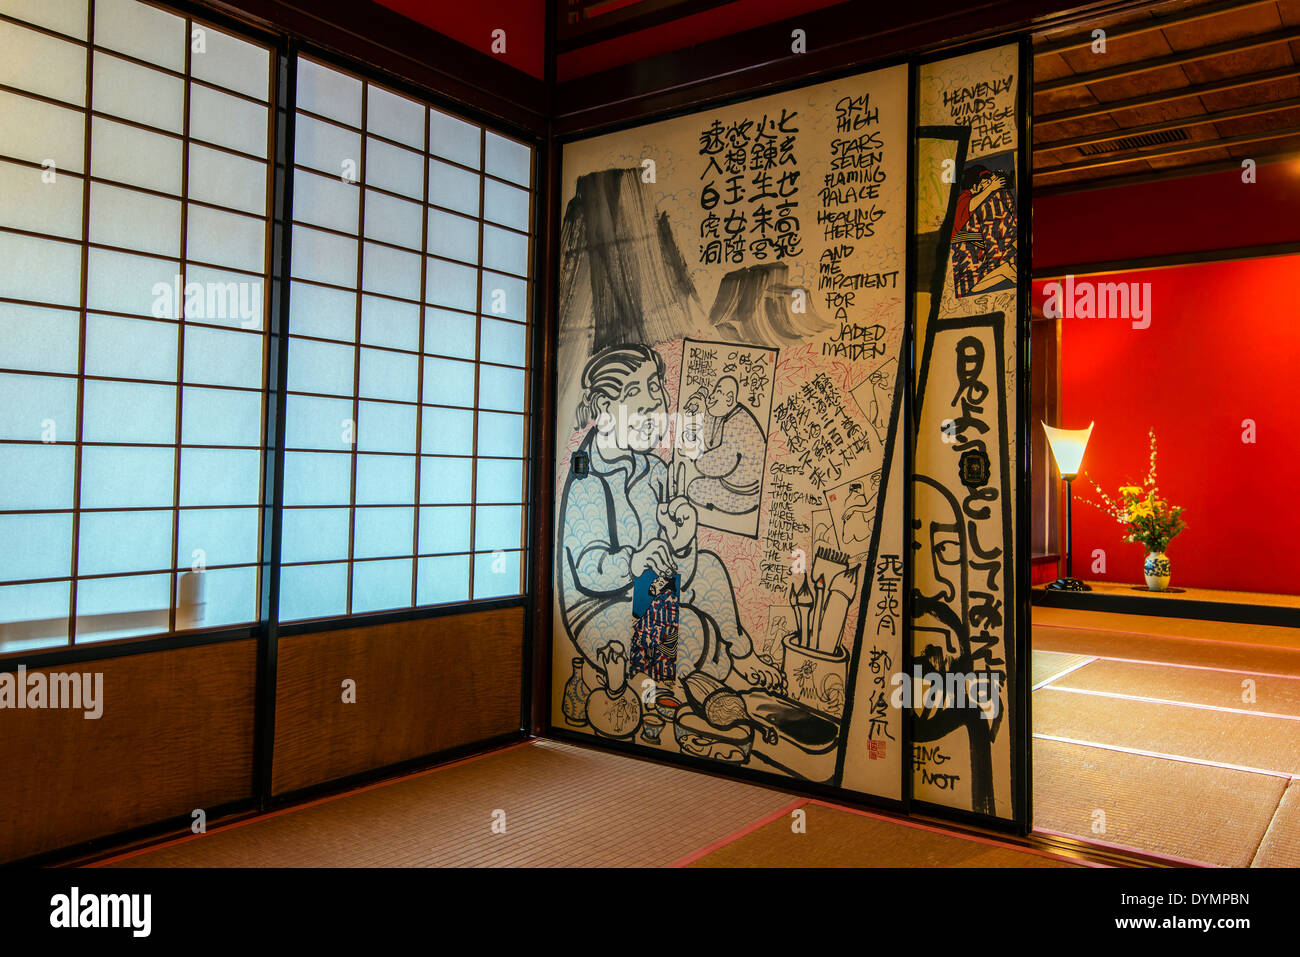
[1151, 520]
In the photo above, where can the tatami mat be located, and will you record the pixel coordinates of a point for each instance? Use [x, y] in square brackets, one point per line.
[1189, 811]
[569, 806]
[1276, 636]
[835, 837]
[1281, 845]
[1210, 767]
[1142, 645]
[1244, 740]
[563, 806]
[1046, 665]
[1221, 689]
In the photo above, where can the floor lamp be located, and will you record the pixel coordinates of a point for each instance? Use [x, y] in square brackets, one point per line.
[1067, 448]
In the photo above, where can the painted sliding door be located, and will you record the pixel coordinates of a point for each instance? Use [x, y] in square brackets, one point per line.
[963, 530]
[729, 539]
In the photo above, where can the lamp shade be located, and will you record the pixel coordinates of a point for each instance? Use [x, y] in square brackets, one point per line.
[1067, 447]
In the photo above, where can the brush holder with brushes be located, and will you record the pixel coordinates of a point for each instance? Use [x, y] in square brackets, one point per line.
[815, 679]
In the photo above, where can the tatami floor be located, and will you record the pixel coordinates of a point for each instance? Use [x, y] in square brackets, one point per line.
[1173, 737]
[551, 804]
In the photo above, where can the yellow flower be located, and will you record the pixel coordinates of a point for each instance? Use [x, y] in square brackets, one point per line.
[1129, 490]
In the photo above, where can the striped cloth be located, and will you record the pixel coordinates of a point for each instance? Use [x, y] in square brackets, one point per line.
[654, 634]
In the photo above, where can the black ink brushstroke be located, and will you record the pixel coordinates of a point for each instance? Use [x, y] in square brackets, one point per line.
[754, 304]
[622, 277]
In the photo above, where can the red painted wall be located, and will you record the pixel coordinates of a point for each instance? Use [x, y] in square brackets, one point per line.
[1223, 346]
[471, 22]
[1190, 214]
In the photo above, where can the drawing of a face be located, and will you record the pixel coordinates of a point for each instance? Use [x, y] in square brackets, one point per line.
[640, 414]
[855, 498]
[723, 398]
[939, 542]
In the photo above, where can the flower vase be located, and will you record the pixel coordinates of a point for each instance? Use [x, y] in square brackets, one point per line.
[575, 697]
[1156, 569]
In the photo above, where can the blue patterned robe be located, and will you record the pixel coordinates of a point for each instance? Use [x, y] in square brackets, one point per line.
[604, 518]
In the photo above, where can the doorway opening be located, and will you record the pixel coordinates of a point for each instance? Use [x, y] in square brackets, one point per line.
[1166, 689]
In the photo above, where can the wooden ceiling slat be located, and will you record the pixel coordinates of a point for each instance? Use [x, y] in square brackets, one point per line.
[1164, 96]
[1155, 23]
[1222, 76]
[1232, 64]
[1255, 109]
[1211, 152]
[1078, 184]
[1244, 96]
[1284, 35]
[1251, 124]
[1164, 151]
[1143, 49]
[1170, 112]
[1244, 23]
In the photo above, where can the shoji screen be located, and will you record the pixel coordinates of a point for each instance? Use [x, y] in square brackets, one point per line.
[406, 419]
[786, 504]
[133, 232]
[968, 610]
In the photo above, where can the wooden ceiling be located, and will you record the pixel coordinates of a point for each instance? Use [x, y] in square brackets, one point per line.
[1182, 87]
